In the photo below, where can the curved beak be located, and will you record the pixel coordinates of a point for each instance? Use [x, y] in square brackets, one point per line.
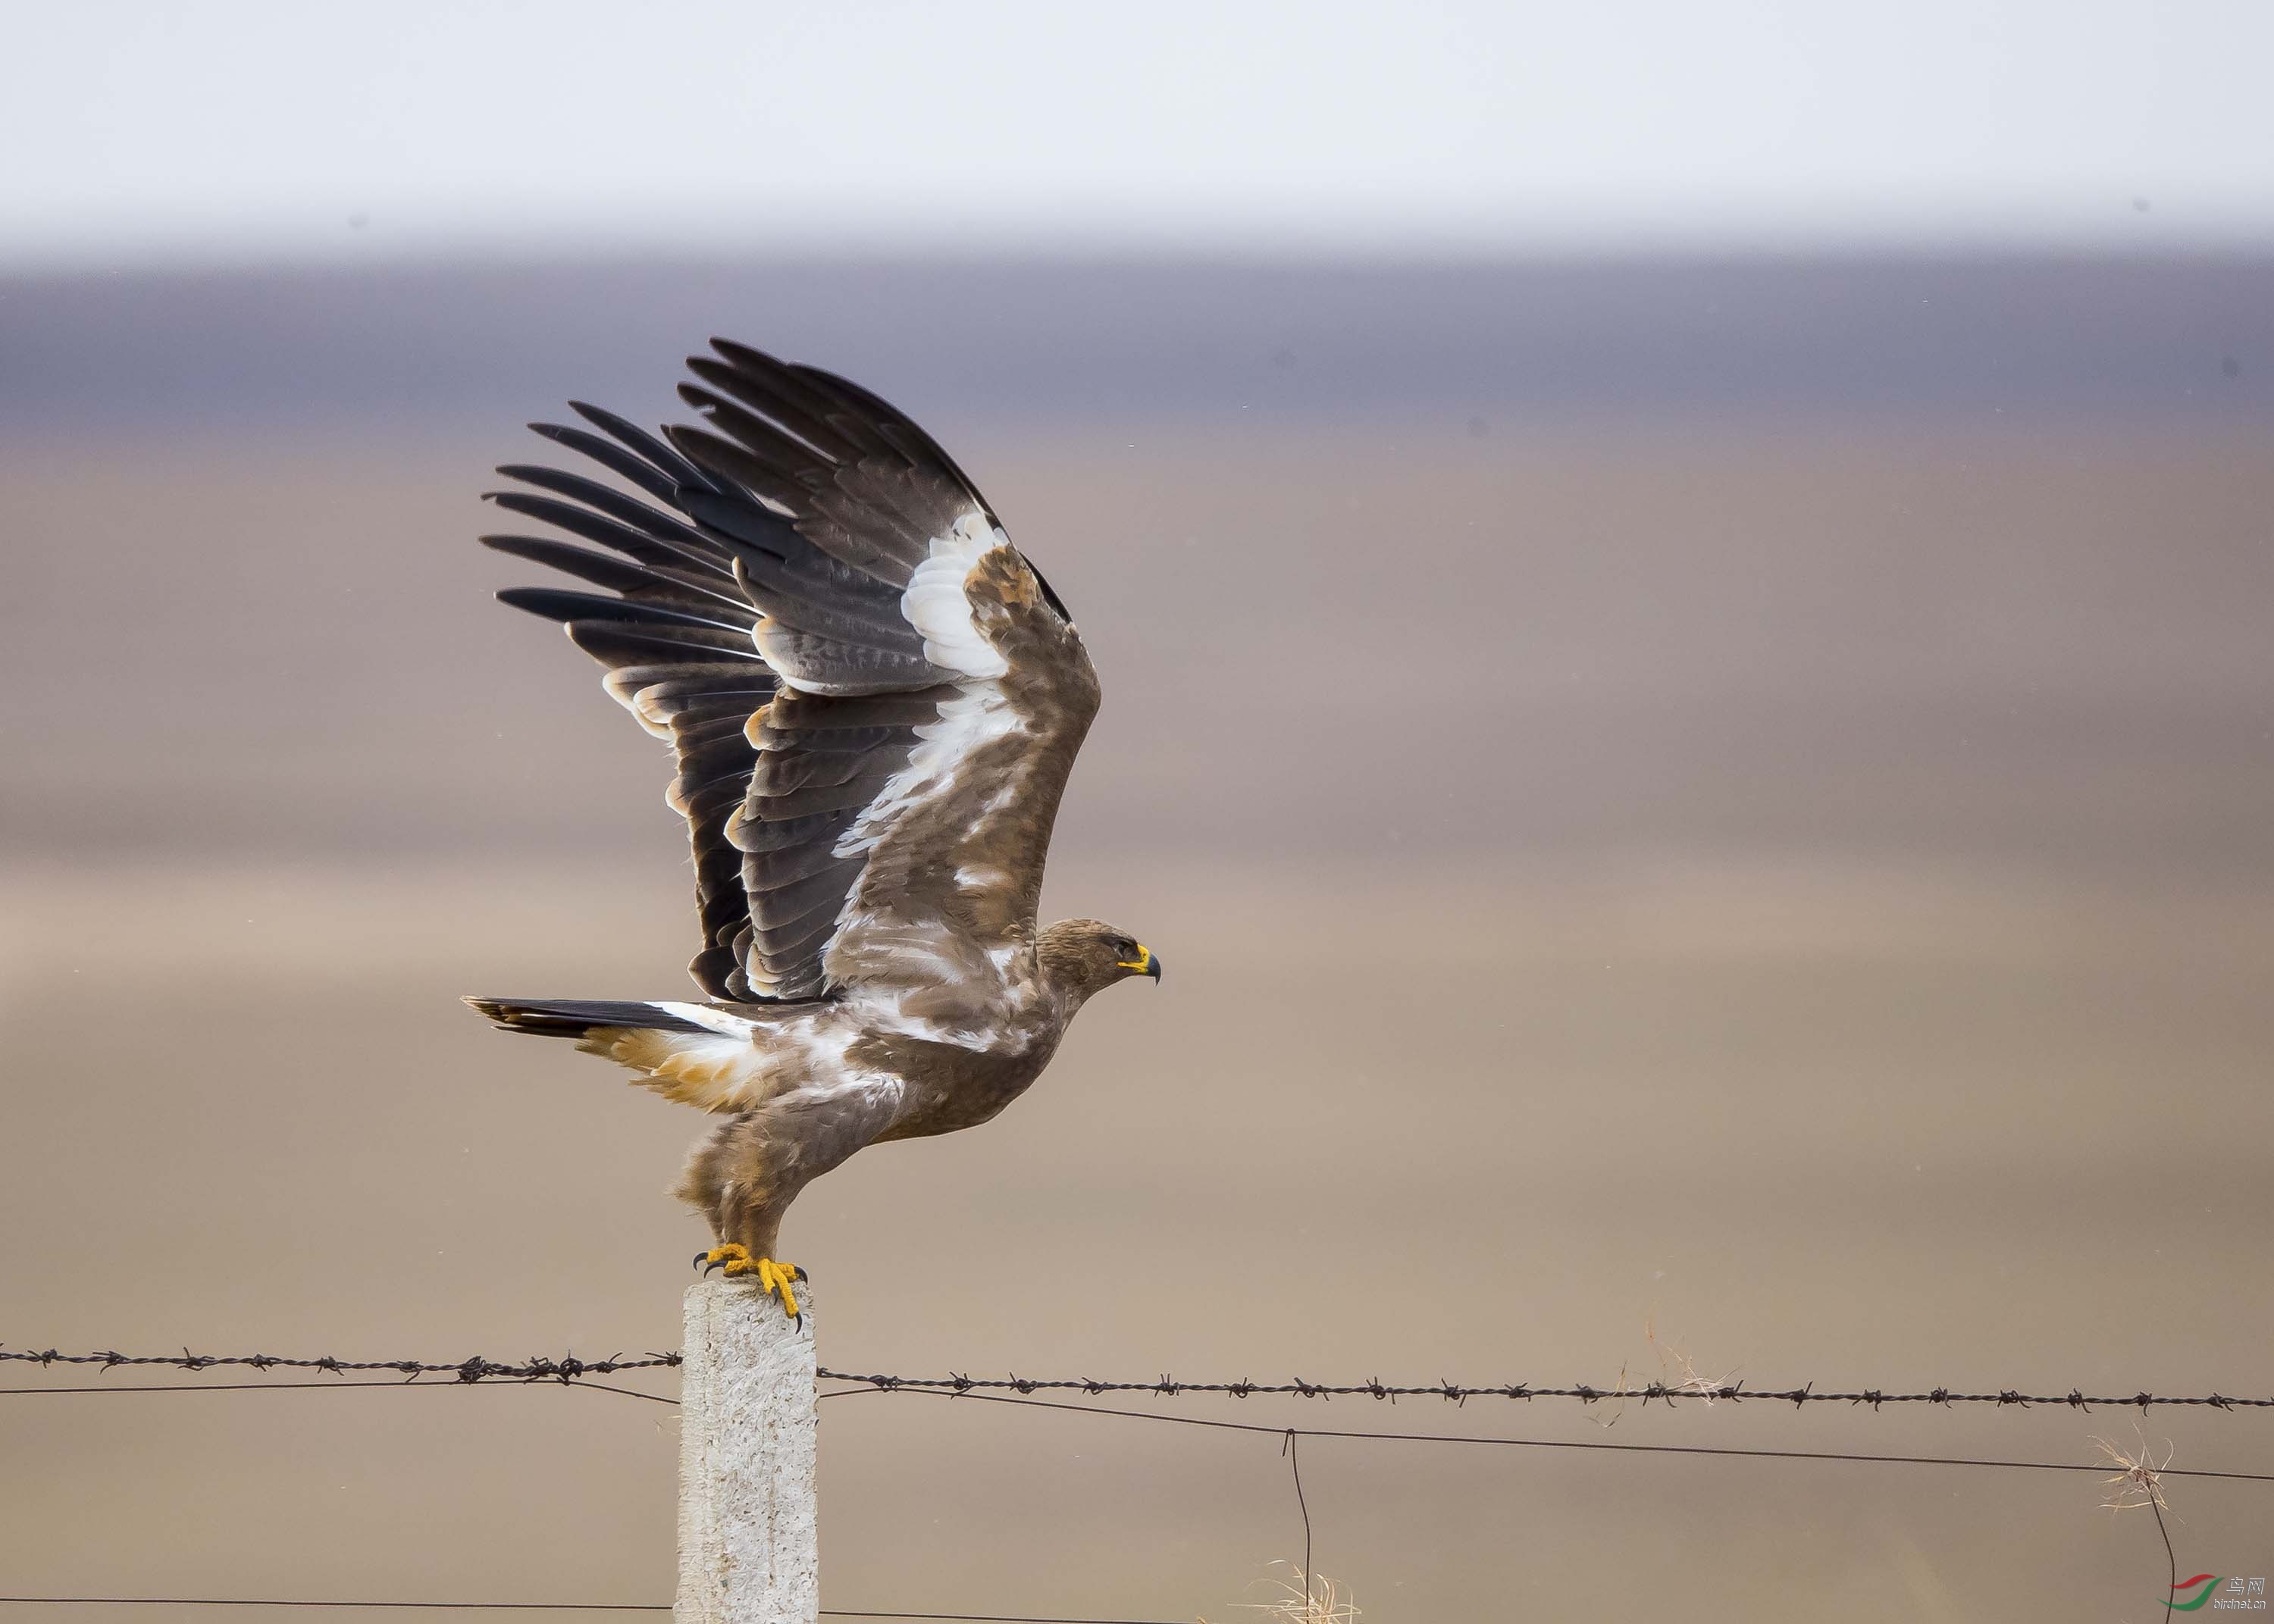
[1146, 963]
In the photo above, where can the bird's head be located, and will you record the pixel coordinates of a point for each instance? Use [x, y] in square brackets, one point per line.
[1086, 956]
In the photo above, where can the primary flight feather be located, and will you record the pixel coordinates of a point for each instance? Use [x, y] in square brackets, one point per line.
[874, 701]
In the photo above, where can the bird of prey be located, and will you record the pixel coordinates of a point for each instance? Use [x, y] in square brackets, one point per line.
[874, 700]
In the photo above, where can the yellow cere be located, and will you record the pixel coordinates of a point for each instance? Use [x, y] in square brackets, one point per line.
[1140, 963]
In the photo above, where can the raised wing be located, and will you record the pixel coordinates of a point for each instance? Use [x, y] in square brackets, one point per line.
[874, 698]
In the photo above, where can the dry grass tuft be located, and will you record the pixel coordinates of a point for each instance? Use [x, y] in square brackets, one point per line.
[1306, 1601]
[2138, 1482]
[1678, 1374]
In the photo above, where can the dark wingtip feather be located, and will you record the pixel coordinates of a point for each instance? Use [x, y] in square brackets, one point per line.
[562, 435]
[558, 603]
[519, 597]
[613, 423]
[639, 441]
[750, 356]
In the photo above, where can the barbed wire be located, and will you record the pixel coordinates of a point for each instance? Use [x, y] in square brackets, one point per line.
[392, 1606]
[1168, 1386]
[1016, 1391]
[531, 1606]
[571, 1368]
[1269, 1431]
[1154, 1414]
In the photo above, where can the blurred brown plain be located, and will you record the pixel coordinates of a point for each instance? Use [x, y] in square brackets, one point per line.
[1771, 860]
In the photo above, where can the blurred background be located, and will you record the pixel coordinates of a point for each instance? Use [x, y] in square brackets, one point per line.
[1684, 600]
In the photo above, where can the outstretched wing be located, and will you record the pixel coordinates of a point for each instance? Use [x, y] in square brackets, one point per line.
[875, 700]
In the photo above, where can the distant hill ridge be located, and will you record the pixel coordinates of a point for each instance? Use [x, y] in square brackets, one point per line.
[2125, 337]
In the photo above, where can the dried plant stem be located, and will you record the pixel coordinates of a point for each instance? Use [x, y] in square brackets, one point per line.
[2170, 1555]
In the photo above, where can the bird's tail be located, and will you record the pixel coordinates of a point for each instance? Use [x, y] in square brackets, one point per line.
[579, 1018]
[688, 1052]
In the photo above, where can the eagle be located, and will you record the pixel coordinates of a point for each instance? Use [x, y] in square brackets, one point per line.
[874, 701]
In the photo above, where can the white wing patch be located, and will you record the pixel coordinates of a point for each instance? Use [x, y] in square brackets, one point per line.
[935, 604]
[979, 714]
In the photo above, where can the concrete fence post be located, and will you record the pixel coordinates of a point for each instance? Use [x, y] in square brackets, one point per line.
[749, 1552]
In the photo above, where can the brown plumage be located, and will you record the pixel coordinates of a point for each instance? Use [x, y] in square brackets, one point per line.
[875, 702]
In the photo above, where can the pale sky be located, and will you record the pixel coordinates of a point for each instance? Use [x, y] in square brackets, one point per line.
[237, 130]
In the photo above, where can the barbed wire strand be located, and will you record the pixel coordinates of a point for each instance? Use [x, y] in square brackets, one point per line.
[571, 1368]
[298, 1386]
[535, 1606]
[571, 1371]
[1555, 1443]
[1169, 1386]
[1149, 1415]
[585, 1384]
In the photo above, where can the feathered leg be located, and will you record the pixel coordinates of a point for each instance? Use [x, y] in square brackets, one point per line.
[744, 1176]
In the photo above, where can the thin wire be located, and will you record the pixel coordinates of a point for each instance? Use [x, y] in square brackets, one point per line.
[1562, 1443]
[988, 1617]
[602, 1387]
[1295, 1465]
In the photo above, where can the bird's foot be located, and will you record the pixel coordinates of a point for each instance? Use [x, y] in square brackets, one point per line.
[774, 1279]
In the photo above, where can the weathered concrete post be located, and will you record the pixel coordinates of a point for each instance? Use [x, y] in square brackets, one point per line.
[749, 1552]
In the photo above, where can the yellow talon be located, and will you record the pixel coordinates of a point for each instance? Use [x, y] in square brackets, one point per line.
[774, 1279]
[786, 1274]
